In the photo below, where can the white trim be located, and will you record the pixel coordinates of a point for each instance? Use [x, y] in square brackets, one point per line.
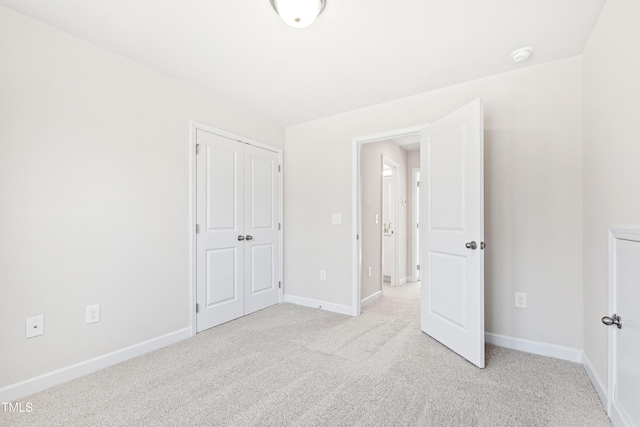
[415, 250]
[611, 337]
[192, 225]
[371, 298]
[403, 281]
[356, 205]
[59, 376]
[595, 380]
[323, 305]
[617, 417]
[356, 229]
[194, 126]
[535, 347]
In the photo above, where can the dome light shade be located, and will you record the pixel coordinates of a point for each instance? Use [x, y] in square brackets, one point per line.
[298, 13]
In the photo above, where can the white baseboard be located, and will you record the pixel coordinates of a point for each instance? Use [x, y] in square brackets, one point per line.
[329, 306]
[42, 382]
[404, 280]
[371, 298]
[600, 388]
[535, 347]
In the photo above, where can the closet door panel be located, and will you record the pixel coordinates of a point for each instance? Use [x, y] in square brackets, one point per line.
[220, 219]
[261, 204]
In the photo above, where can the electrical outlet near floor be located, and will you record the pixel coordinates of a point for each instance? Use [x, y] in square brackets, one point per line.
[370, 272]
[521, 300]
[92, 314]
[323, 275]
[34, 326]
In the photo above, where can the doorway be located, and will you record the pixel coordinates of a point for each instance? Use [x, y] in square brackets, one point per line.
[385, 213]
[452, 212]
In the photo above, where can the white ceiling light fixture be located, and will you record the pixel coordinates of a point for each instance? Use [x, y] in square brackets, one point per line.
[298, 13]
[522, 54]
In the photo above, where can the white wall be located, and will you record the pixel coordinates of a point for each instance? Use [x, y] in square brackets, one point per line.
[94, 196]
[611, 85]
[371, 184]
[533, 178]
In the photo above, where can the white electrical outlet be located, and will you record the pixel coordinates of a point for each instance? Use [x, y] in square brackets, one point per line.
[35, 326]
[336, 219]
[377, 219]
[323, 275]
[369, 271]
[521, 300]
[92, 314]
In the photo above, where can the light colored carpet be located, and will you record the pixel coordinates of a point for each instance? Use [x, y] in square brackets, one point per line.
[291, 365]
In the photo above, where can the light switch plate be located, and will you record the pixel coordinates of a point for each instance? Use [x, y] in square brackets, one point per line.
[336, 219]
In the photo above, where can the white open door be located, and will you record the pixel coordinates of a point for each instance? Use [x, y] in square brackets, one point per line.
[452, 227]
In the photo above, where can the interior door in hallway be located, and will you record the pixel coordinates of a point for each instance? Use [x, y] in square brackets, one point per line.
[237, 238]
[452, 227]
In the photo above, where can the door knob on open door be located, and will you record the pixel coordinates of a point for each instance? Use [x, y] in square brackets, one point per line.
[471, 245]
[613, 320]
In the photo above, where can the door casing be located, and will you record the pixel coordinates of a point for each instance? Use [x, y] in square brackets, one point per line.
[194, 126]
[415, 220]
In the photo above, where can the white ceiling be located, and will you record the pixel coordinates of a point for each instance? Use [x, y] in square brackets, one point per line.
[358, 53]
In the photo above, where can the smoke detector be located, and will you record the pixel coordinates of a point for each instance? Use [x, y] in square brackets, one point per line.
[521, 54]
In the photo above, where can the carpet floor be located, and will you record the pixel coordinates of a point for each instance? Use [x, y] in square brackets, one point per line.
[289, 365]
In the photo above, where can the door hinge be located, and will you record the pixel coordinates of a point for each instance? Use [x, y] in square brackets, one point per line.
[417, 225]
[279, 226]
[418, 183]
[197, 148]
[197, 229]
[279, 285]
[418, 267]
[197, 308]
[357, 237]
[278, 168]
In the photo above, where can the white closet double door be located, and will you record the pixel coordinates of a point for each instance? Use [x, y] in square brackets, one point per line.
[237, 240]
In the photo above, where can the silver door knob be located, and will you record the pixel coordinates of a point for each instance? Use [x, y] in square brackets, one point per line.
[249, 237]
[471, 245]
[613, 320]
[241, 238]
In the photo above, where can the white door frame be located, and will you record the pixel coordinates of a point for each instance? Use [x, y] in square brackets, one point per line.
[415, 248]
[395, 166]
[356, 204]
[194, 126]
